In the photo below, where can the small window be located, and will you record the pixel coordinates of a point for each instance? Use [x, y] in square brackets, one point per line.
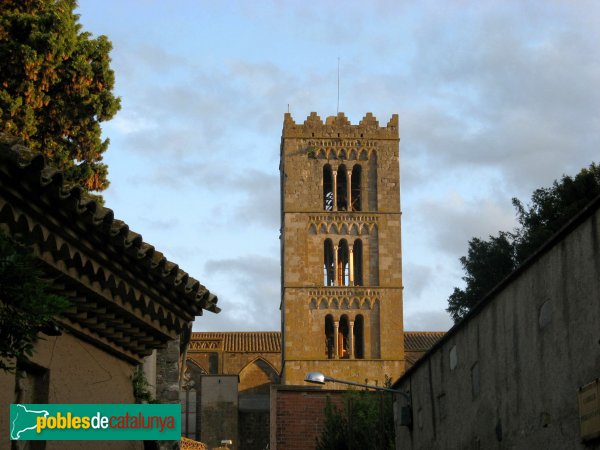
[343, 338]
[329, 336]
[359, 324]
[342, 189]
[328, 263]
[327, 188]
[343, 269]
[356, 183]
[357, 256]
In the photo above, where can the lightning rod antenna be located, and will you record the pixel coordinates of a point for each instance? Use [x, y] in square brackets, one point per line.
[338, 97]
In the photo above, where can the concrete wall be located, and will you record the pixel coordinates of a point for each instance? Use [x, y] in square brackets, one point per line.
[219, 410]
[298, 415]
[507, 377]
[76, 372]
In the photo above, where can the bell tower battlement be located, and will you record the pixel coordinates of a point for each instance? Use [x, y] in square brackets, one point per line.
[341, 249]
[336, 126]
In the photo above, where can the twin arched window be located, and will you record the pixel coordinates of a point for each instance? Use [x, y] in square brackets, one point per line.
[342, 188]
[344, 339]
[342, 263]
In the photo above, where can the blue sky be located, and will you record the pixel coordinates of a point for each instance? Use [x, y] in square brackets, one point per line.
[495, 99]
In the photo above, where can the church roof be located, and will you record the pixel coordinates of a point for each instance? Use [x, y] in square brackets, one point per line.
[421, 341]
[241, 341]
[270, 341]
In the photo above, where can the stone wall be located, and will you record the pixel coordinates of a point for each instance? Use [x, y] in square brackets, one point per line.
[507, 377]
[167, 381]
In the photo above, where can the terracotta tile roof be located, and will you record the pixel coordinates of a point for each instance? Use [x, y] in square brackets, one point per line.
[421, 341]
[126, 296]
[270, 341]
[31, 166]
[189, 444]
[249, 342]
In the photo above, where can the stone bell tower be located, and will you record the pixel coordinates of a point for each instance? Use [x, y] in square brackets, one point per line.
[341, 262]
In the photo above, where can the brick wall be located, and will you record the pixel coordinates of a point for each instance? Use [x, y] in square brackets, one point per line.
[297, 415]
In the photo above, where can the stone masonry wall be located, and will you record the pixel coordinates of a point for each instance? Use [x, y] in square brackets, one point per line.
[306, 149]
[167, 381]
[507, 377]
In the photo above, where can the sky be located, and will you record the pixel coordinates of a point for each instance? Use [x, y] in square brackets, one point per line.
[495, 99]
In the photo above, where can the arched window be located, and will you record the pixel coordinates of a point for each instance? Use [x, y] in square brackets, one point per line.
[355, 188]
[359, 333]
[328, 263]
[342, 189]
[329, 337]
[343, 268]
[343, 338]
[327, 188]
[357, 256]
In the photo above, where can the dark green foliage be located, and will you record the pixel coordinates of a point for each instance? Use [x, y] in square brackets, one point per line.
[26, 306]
[485, 265]
[366, 422]
[488, 262]
[552, 207]
[56, 87]
[141, 387]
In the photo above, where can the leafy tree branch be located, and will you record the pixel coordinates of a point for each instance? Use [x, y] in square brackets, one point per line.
[489, 261]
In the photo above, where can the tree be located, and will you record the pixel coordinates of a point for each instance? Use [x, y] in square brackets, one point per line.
[26, 304]
[488, 262]
[366, 422]
[552, 207]
[56, 87]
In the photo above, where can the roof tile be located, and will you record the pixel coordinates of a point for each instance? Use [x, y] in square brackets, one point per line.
[245, 341]
[421, 341]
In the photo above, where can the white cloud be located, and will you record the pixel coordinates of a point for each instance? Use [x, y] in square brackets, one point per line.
[495, 99]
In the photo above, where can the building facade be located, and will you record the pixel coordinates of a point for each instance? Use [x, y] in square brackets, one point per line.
[128, 304]
[341, 278]
[226, 389]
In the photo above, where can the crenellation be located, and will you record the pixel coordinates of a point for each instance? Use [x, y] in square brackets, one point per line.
[369, 121]
[339, 127]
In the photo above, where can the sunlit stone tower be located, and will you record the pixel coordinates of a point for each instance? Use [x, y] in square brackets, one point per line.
[341, 257]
